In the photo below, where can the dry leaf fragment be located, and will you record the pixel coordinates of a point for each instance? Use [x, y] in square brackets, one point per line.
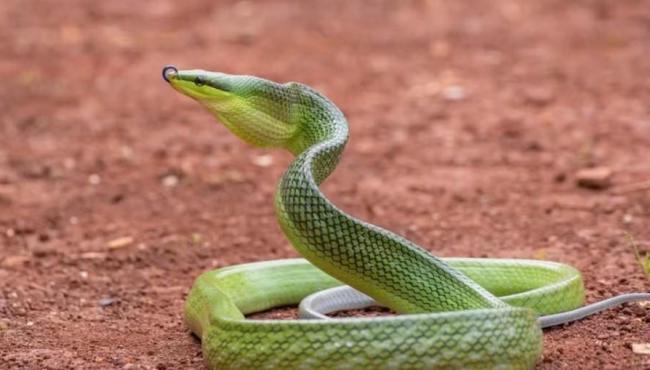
[93, 256]
[641, 348]
[14, 261]
[120, 242]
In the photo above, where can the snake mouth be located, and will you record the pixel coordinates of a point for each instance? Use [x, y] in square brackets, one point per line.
[169, 71]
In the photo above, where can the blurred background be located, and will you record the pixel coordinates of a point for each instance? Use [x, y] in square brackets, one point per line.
[479, 128]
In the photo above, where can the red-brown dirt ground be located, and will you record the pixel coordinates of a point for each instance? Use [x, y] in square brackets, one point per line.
[469, 121]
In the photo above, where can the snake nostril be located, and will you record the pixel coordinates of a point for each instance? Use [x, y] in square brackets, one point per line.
[168, 71]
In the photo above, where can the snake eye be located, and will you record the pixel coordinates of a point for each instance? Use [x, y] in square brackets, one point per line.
[199, 81]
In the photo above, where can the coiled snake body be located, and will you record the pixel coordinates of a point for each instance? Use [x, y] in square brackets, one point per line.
[452, 316]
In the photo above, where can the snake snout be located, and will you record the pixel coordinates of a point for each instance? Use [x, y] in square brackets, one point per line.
[168, 71]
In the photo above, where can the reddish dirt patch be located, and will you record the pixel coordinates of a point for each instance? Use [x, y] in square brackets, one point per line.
[469, 121]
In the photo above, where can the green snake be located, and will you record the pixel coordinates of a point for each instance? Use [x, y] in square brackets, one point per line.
[454, 313]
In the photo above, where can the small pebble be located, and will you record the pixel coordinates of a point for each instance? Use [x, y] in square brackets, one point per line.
[105, 302]
[263, 160]
[94, 179]
[170, 181]
[627, 219]
[596, 178]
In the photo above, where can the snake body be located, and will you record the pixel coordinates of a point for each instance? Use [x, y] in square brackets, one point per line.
[451, 316]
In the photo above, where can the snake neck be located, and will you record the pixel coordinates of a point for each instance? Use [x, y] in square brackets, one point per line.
[389, 268]
[320, 124]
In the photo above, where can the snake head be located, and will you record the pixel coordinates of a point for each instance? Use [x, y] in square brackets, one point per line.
[256, 110]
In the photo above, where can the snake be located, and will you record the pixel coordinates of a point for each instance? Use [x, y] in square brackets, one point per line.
[452, 313]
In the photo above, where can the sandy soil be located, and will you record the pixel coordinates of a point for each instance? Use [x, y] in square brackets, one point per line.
[469, 122]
